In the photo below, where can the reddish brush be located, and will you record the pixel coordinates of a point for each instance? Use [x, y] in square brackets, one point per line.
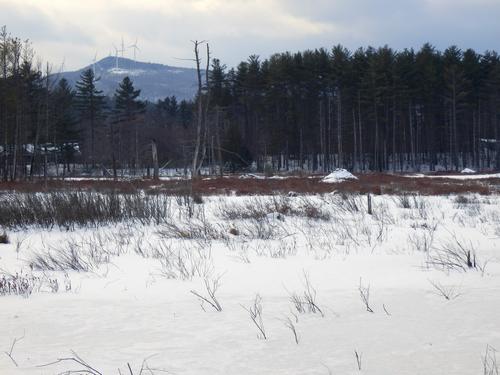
[375, 183]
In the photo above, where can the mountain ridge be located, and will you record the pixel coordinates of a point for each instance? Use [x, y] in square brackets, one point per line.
[156, 81]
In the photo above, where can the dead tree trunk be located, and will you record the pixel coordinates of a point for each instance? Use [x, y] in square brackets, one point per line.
[154, 154]
[339, 130]
[205, 123]
[322, 137]
[360, 127]
[355, 139]
[217, 138]
[199, 117]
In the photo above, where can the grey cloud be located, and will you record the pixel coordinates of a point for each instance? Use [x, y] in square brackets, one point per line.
[239, 28]
[32, 23]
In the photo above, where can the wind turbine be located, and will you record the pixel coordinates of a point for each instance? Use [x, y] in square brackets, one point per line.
[94, 62]
[62, 64]
[135, 48]
[116, 55]
[123, 47]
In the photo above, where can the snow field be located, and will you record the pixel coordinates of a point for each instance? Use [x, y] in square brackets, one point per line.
[134, 299]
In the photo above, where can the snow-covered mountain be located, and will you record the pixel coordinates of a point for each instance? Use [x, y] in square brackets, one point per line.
[155, 81]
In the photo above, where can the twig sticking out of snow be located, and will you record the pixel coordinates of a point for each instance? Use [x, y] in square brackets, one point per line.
[211, 287]
[306, 303]
[255, 311]
[386, 311]
[449, 292]
[327, 368]
[87, 369]
[288, 322]
[369, 204]
[358, 359]
[9, 353]
[490, 366]
[456, 255]
[364, 293]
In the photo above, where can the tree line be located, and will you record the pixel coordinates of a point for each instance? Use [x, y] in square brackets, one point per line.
[370, 109]
[49, 128]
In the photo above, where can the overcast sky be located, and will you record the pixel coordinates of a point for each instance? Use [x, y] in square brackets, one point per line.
[74, 30]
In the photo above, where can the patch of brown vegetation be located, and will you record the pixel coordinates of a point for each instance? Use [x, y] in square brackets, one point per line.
[375, 183]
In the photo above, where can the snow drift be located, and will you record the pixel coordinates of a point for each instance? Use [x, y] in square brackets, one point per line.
[339, 175]
[468, 171]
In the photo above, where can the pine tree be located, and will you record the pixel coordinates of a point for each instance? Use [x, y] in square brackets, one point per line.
[219, 91]
[127, 108]
[91, 105]
[454, 96]
[185, 113]
[66, 135]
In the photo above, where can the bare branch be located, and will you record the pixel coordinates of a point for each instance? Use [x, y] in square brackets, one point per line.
[255, 312]
[14, 342]
[211, 287]
[364, 292]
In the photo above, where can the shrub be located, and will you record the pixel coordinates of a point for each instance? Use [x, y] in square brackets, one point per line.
[192, 230]
[306, 302]
[4, 239]
[404, 201]
[461, 199]
[19, 285]
[456, 256]
[255, 311]
[197, 199]
[70, 255]
[69, 209]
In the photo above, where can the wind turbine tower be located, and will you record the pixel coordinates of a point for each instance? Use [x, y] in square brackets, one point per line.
[94, 62]
[117, 51]
[116, 56]
[135, 48]
[123, 47]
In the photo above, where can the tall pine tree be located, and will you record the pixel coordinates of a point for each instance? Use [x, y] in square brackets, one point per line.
[126, 111]
[65, 132]
[90, 103]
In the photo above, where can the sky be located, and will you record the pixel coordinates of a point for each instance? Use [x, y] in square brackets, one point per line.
[71, 32]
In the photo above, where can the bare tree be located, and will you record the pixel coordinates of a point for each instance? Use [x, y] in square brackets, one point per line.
[200, 113]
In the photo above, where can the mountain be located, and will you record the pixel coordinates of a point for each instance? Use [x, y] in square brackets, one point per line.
[155, 81]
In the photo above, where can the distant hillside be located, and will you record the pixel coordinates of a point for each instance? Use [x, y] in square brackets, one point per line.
[155, 81]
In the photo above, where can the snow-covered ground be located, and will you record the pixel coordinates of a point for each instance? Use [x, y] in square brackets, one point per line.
[372, 281]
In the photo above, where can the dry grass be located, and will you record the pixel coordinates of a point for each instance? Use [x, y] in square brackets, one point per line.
[375, 183]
